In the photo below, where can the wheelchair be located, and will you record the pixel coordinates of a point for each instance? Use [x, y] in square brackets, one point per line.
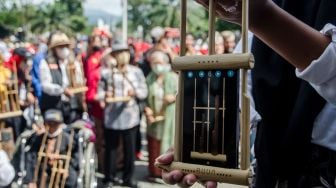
[88, 162]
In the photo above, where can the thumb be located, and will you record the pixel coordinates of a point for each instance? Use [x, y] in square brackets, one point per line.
[166, 158]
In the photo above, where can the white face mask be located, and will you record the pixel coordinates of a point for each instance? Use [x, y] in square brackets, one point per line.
[161, 69]
[63, 53]
[105, 42]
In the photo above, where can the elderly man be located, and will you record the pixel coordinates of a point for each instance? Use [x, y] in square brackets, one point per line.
[55, 79]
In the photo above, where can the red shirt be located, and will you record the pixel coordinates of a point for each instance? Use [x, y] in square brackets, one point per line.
[92, 74]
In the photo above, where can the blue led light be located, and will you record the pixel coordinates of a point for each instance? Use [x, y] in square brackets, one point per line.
[218, 74]
[190, 74]
[201, 74]
[230, 73]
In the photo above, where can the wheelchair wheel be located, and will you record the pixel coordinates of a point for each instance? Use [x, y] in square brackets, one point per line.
[91, 166]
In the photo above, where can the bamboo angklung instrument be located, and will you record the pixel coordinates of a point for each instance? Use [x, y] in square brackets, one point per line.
[76, 86]
[111, 84]
[244, 61]
[60, 165]
[10, 98]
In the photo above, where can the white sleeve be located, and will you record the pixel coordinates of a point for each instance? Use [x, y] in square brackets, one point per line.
[321, 73]
[46, 81]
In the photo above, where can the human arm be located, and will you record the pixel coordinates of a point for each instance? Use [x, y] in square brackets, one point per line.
[141, 90]
[297, 42]
[46, 81]
[321, 73]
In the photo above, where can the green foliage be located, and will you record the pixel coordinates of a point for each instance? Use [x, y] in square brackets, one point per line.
[166, 13]
[64, 15]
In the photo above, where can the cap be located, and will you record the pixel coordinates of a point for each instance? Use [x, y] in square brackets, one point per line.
[54, 116]
[59, 39]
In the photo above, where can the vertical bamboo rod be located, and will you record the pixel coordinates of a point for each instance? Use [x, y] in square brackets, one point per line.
[212, 30]
[183, 27]
[245, 124]
[179, 129]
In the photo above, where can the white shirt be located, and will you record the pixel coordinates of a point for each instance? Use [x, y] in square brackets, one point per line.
[321, 74]
[54, 89]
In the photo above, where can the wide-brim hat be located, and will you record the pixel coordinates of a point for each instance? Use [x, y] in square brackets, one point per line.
[59, 39]
[53, 116]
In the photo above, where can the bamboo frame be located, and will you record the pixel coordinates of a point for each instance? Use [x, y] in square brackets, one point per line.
[9, 98]
[60, 167]
[113, 98]
[243, 61]
[76, 87]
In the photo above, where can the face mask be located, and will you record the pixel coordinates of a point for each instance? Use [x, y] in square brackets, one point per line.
[161, 69]
[105, 42]
[63, 53]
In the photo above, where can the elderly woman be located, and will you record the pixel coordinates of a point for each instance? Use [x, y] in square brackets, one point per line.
[120, 87]
[160, 112]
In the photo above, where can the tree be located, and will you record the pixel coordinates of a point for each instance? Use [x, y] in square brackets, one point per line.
[165, 13]
[58, 16]
[64, 15]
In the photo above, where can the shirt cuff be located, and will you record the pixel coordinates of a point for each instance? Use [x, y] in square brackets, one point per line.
[322, 69]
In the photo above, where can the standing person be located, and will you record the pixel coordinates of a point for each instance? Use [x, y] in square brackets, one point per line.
[219, 44]
[55, 79]
[229, 41]
[289, 131]
[162, 84]
[190, 43]
[98, 42]
[121, 118]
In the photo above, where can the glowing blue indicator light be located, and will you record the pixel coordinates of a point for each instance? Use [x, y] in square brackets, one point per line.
[230, 73]
[201, 74]
[190, 74]
[218, 74]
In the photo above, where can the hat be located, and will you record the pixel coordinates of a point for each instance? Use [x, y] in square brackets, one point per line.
[59, 39]
[119, 47]
[54, 116]
[157, 33]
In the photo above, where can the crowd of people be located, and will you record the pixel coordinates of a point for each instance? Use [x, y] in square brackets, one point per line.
[111, 84]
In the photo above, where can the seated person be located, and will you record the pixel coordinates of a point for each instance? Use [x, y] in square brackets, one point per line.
[55, 144]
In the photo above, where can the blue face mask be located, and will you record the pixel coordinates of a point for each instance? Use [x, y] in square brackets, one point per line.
[161, 69]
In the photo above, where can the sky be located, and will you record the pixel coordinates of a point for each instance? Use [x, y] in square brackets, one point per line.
[113, 6]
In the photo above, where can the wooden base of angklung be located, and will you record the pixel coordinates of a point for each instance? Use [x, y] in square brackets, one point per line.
[206, 173]
[6, 115]
[117, 99]
[78, 90]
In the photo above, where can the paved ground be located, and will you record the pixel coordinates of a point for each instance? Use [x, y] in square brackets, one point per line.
[141, 171]
[141, 174]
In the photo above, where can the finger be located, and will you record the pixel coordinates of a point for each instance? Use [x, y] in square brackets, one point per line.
[188, 180]
[166, 158]
[172, 177]
[210, 184]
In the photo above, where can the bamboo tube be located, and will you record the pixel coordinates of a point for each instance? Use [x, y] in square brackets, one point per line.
[245, 123]
[67, 162]
[39, 158]
[55, 164]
